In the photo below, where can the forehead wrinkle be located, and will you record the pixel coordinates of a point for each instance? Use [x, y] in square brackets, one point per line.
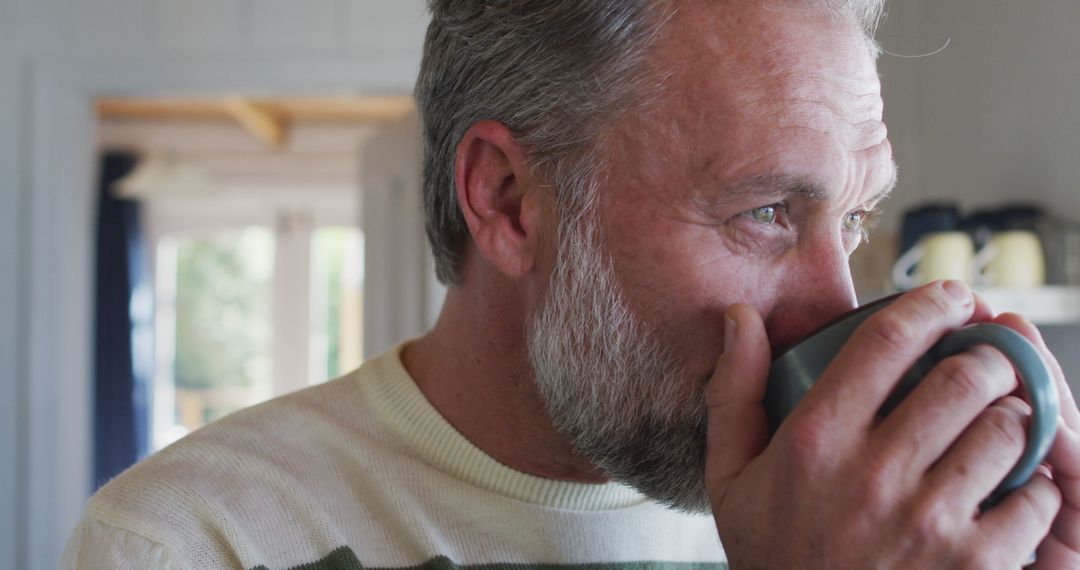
[771, 186]
[781, 186]
[852, 106]
[848, 90]
[889, 186]
[855, 137]
[862, 93]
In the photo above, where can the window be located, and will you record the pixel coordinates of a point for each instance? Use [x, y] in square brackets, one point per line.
[214, 318]
[249, 308]
[337, 295]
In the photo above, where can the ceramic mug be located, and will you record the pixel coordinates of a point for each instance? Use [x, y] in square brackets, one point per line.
[938, 256]
[795, 370]
[1061, 244]
[1012, 259]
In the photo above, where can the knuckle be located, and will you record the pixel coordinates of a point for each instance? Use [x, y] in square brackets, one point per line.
[891, 332]
[937, 528]
[1017, 405]
[1036, 507]
[964, 376]
[994, 357]
[933, 523]
[872, 492]
[1006, 426]
[998, 368]
[807, 443]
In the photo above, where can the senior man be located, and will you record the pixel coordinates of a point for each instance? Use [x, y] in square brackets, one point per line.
[633, 202]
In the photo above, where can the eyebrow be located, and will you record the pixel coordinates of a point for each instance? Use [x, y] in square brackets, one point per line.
[784, 186]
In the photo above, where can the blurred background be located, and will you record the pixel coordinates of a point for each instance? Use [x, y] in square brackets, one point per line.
[207, 203]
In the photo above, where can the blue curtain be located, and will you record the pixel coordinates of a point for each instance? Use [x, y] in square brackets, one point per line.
[123, 355]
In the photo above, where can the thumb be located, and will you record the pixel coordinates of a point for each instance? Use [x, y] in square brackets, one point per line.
[738, 428]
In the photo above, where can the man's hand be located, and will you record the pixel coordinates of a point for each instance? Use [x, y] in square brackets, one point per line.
[1061, 549]
[840, 487]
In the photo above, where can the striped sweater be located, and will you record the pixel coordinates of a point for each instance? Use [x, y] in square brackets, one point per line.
[362, 472]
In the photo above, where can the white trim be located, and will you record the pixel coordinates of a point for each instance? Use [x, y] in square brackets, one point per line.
[60, 303]
[12, 283]
[327, 206]
[397, 274]
[291, 301]
[61, 231]
[163, 392]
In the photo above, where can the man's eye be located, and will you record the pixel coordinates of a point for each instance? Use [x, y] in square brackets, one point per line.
[764, 214]
[854, 221]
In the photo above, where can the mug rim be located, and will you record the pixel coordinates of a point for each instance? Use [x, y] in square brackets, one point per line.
[831, 322]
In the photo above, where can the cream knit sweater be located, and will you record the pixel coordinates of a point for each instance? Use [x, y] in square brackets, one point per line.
[362, 472]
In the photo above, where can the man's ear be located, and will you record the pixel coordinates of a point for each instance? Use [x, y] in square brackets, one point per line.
[497, 196]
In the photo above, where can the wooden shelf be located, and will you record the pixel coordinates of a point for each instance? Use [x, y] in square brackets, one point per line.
[1051, 305]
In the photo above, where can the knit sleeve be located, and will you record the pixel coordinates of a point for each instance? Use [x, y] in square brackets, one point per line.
[96, 545]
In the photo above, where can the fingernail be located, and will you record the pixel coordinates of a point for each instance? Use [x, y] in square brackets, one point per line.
[959, 291]
[730, 326]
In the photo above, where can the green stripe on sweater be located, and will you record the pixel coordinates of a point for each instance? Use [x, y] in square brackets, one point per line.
[344, 559]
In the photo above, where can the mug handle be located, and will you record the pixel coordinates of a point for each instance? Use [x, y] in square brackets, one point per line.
[901, 272]
[1039, 384]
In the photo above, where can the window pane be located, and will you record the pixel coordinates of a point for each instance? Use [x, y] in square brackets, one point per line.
[337, 283]
[219, 312]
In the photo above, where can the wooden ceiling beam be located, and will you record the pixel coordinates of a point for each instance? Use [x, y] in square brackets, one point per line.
[367, 108]
[338, 109]
[264, 123]
[161, 109]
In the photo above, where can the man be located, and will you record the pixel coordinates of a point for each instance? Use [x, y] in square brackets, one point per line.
[634, 201]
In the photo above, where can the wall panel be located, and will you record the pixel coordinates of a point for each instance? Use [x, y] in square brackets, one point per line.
[101, 26]
[385, 24]
[899, 36]
[999, 112]
[292, 25]
[200, 25]
[37, 21]
[58, 402]
[10, 273]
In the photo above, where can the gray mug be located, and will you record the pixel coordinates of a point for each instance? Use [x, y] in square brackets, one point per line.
[797, 368]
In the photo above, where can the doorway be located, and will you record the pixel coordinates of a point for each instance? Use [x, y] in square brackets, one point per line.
[59, 168]
[252, 224]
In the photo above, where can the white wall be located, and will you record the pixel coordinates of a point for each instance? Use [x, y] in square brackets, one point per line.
[900, 79]
[996, 115]
[10, 270]
[268, 28]
[55, 57]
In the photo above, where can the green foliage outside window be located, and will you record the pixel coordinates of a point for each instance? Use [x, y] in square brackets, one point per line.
[223, 310]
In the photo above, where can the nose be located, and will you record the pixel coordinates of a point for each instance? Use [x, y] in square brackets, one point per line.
[818, 291]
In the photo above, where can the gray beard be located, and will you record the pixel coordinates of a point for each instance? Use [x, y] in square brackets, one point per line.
[610, 385]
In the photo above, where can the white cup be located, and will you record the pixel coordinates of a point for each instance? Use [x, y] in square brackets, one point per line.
[1012, 259]
[939, 255]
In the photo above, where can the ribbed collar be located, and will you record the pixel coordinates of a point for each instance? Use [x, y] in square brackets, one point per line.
[399, 404]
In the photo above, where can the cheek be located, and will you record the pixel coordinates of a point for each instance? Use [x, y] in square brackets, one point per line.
[682, 292]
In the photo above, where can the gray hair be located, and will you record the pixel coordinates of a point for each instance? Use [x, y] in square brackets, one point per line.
[555, 72]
